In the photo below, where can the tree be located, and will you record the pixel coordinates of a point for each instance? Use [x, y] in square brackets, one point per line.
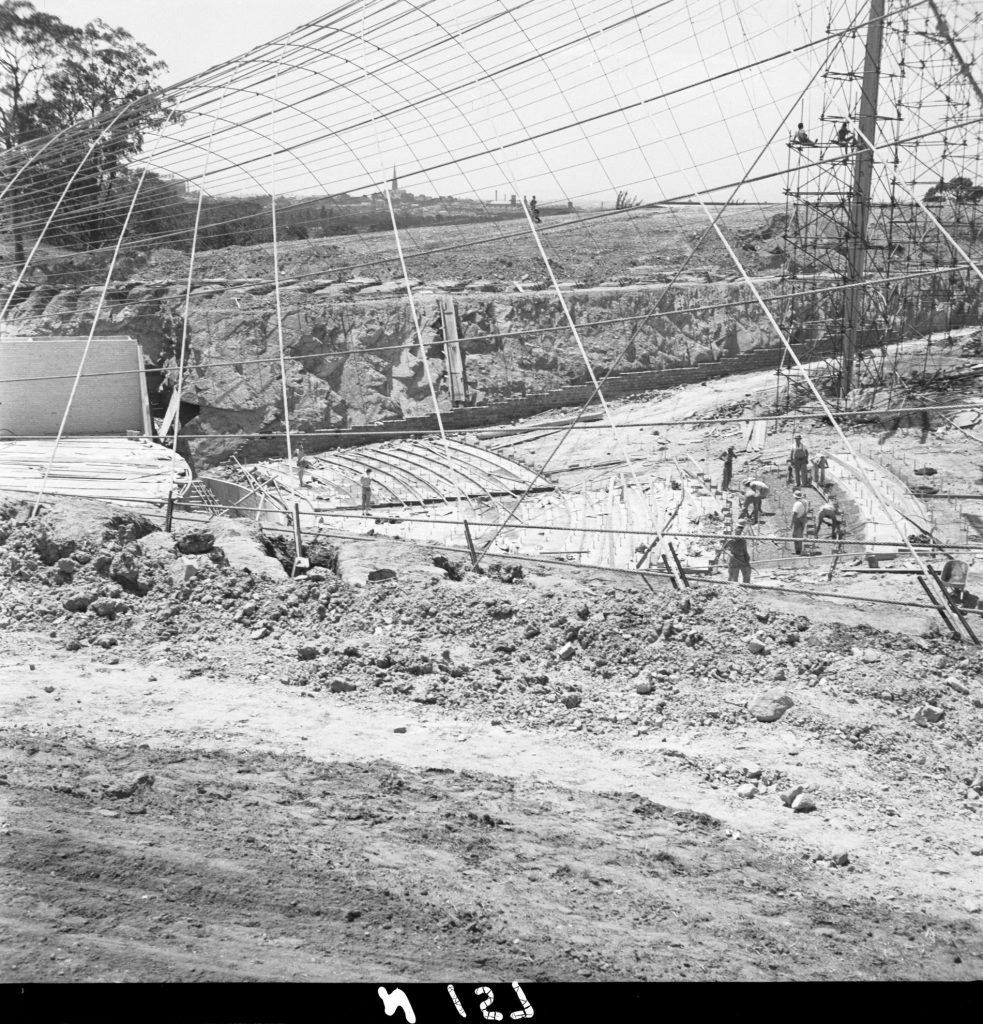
[31, 44]
[97, 83]
[956, 190]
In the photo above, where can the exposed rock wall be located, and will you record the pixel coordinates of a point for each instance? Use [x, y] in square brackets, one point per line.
[354, 359]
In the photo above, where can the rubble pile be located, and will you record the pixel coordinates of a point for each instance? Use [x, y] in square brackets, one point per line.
[503, 646]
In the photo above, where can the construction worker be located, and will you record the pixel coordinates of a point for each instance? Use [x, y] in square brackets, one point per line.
[799, 459]
[534, 210]
[754, 492]
[800, 511]
[728, 458]
[366, 482]
[303, 464]
[844, 137]
[819, 467]
[740, 558]
[801, 137]
[830, 513]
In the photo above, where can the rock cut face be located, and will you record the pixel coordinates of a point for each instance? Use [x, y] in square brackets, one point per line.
[353, 352]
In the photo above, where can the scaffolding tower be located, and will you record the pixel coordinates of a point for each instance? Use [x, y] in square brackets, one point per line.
[903, 78]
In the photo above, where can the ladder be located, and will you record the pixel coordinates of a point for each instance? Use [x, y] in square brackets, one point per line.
[198, 496]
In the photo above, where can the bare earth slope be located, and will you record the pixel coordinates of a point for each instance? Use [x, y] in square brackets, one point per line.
[234, 778]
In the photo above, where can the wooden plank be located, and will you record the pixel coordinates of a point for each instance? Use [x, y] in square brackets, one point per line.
[679, 565]
[954, 607]
[936, 605]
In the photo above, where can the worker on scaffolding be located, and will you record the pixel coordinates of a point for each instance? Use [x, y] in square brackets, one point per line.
[845, 139]
[801, 137]
[800, 513]
[799, 461]
[728, 456]
[366, 482]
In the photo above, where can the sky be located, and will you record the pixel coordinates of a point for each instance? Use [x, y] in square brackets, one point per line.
[192, 35]
[396, 84]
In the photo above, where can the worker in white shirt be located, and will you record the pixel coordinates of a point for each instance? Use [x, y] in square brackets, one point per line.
[800, 510]
[754, 492]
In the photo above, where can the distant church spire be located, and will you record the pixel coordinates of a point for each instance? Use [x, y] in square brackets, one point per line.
[395, 185]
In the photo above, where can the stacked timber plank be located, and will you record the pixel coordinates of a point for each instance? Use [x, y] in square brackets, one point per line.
[126, 471]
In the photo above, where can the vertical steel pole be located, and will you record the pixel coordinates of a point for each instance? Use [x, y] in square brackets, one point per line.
[169, 514]
[863, 168]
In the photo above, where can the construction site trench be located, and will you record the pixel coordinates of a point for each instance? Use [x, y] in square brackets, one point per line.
[539, 771]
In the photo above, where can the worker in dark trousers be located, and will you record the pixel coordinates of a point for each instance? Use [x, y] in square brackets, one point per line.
[799, 458]
[800, 511]
[829, 513]
[801, 137]
[845, 139]
[534, 210]
[819, 467]
[366, 482]
[728, 476]
[740, 559]
[754, 492]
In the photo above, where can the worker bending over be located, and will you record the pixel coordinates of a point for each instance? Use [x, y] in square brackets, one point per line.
[830, 513]
[754, 492]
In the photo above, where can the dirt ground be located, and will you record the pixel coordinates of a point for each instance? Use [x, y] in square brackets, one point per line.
[269, 837]
[211, 774]
[173, 811]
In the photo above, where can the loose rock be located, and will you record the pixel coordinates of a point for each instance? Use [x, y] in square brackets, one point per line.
[195, 542]
[790, 795]
[757, 646]
[929, 714]
[803, 803]
[770, 706]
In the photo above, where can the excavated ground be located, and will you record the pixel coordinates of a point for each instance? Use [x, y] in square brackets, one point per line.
[210, 774]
